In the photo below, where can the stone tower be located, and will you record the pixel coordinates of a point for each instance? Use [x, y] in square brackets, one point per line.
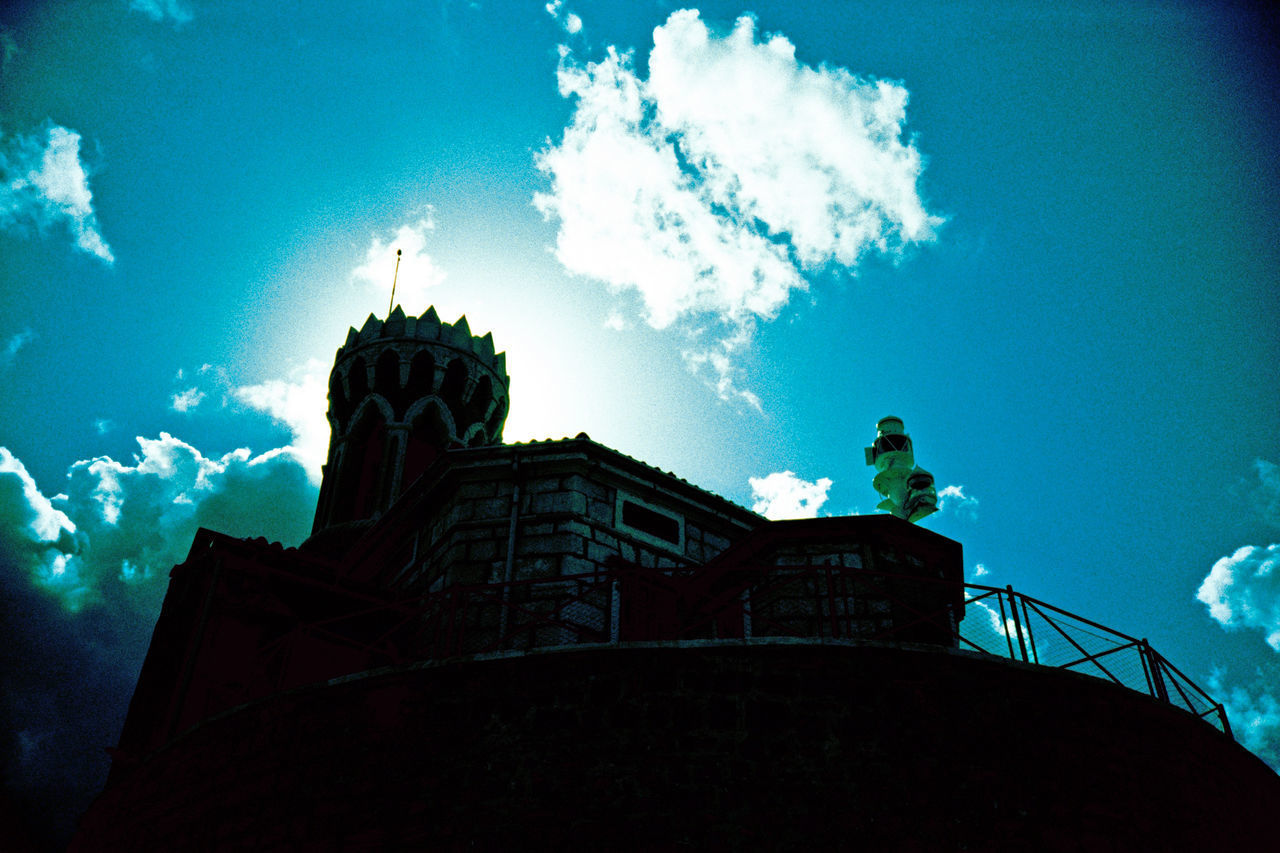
[400, 393]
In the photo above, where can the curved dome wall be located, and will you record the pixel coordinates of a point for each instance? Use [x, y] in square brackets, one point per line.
[735, 746]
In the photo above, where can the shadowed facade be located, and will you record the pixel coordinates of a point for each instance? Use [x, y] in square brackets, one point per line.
[495, 646]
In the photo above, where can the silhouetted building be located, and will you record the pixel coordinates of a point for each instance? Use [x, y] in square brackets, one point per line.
[552, 644]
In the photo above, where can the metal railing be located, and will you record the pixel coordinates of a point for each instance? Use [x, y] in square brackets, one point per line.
[1010, 624]
[620, 604]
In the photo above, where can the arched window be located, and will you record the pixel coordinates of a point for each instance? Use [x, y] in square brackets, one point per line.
[386, 376]
[357, 486]
[481, 397]
[422, 380]
[428, 437]
[494, 425]
[451, 388]
[455, 380]
[358, 381]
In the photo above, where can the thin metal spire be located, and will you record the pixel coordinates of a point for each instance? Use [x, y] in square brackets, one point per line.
[392, 303]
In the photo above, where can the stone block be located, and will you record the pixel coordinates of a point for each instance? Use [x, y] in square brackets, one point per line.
[591, 489]
[601, 512]
[555, 543]
[576, 528]
[574, 502]
[714, 543]
[483, 489]
[537, 529]
[571, 565]
[482, 549]
[535, 567]
[489, 508]
[598, 552]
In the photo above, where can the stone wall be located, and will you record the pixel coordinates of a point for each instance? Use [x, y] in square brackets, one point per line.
[566, 522]
[729, 747]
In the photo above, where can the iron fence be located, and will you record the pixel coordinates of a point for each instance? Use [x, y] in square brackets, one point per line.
[623, 603]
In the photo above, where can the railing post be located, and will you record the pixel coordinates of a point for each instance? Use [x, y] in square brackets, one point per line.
[1017, 623]
[1157, 677]
[1226, 724]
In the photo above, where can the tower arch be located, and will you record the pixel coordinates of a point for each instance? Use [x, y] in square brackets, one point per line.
[402, 392]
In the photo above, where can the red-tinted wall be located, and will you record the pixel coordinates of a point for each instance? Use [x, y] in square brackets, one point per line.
[777, 747]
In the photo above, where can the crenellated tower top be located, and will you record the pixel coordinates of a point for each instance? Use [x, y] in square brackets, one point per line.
[402, 391]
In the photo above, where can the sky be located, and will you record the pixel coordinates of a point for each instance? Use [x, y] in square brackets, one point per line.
[723, 239]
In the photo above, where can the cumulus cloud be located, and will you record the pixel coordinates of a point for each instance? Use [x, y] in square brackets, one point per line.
[1254, 714]
[298, 403]
[571, 23]
[44, 184]
[953, 499]
[417, 273]
[128, 522]
[784, 495]
[185, 401]
[82, 575]
[1243, 591]
[13, 345]
[158, 10]
[710, 188]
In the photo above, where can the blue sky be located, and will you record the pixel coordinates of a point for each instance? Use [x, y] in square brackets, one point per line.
[1045, 235]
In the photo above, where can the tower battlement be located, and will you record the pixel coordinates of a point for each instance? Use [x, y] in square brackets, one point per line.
[402, 391]
[428, 327]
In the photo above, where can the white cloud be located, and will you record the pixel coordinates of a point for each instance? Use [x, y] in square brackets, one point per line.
[709, 188]
[103, 425]
[185, 401]
[1243, 591]
[953, 499]
[12, 346]
[417, 271]
[43, 182]
[784, 495]
[571, 23]
[1254, 715]
[128, 524]
[28, 514]
[982, 622]
[980, 571]
[158, 10]
[298, 403]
